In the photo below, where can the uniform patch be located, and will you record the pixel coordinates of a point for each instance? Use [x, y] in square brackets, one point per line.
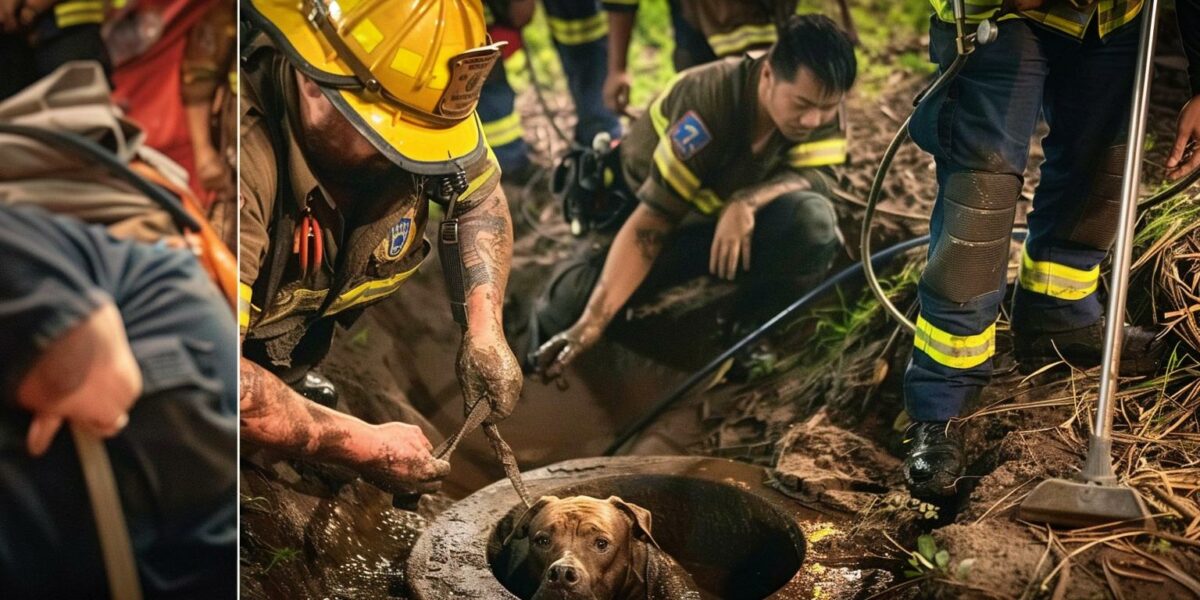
[689, 135]
[398, 237]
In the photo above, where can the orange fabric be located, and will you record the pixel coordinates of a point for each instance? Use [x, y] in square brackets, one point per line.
[149, 87]
[217, 259]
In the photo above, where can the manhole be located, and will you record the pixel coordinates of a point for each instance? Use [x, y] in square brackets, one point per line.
[740, 539]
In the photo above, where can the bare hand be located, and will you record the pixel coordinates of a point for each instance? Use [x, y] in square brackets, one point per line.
[213, 174]
[19, 14]
[395, 457]
[616, 91]
[488, 371]
[561, 350]
[731, 242]
[1185, 155]
[87, 376]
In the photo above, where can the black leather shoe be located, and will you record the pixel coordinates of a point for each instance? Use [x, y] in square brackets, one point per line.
[934, 462]
[315, 387]
[1141, 349]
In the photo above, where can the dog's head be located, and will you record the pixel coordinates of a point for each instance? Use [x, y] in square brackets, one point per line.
[582, 548]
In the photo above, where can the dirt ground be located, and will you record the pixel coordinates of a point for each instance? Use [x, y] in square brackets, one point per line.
[825, 421]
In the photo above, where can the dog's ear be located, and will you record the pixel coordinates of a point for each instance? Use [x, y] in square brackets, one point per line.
[640, 517]
[521, 527]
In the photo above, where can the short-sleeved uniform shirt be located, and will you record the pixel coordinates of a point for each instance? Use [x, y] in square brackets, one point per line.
[731, 27]
[364, 261]
[692, 148]
[175, 462]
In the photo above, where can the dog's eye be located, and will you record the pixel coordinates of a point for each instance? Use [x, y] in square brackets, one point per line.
[542, 540]
[601, 544]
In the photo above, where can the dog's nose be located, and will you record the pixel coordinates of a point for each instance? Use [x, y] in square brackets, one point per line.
[563, 574]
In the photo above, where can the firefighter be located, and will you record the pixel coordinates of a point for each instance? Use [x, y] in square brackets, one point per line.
[1071, 62]
[705, 30]
[743, 146]
[580, 35]
[347, 134]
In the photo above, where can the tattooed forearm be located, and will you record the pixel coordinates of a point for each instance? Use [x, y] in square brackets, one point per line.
[763, 194]
[633, 251]
[274, 415]
[486, 237]
[649, 241]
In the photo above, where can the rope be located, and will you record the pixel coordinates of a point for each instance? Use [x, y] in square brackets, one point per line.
[503, 452]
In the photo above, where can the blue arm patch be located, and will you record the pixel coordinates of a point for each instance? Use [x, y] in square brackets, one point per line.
[689, 135]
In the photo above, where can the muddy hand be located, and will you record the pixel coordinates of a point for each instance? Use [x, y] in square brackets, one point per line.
[488, 372]
[1185, 154]
[561, 350]
[731, 241]
[395, 457]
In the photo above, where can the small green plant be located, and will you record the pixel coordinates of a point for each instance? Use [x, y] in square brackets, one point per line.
[928, 560]
[280, 555]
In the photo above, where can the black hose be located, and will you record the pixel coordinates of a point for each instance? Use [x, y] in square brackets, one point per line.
[816, 293]
[86, 148]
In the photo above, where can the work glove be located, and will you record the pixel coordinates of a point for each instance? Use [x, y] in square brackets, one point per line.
[488, 372]
[560, 350]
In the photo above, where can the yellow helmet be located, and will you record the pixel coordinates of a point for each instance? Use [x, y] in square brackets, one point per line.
[406, 73]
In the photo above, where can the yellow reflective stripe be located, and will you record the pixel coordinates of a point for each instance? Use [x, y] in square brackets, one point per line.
[369, 291]
[573, 32]
[245, 293]
[818, 154]
[685, 183]
[81, 12]
[233, 81]
[1056, 280]
[955, 351]
[738, 40]
[674, 171]
[977, 10]
[1108, 22]
[504, 130]
[483, 177]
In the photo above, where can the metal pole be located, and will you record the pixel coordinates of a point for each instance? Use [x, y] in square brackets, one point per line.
[1100, 467]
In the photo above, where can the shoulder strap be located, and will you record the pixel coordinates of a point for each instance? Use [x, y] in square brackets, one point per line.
[263, 70]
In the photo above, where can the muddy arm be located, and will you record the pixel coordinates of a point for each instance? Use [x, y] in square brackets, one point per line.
[633, 252]
[486, 366]
[393, 456]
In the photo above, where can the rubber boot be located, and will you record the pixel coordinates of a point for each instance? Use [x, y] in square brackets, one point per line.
[934, 462]
[1142, 349]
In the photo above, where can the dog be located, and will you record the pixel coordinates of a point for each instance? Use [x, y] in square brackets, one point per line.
[584, 548]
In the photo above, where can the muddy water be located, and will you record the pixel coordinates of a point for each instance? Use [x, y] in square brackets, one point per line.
[608, 389]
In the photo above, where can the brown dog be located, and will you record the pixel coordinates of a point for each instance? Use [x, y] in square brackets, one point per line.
[583, 548]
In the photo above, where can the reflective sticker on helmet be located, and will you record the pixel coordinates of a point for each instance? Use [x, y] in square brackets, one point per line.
[689, 135]
[467, 74]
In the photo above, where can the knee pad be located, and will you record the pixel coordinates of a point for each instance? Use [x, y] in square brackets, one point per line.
[971, 254]
[1095, 224]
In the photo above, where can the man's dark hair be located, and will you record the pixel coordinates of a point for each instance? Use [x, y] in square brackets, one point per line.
[816, 42]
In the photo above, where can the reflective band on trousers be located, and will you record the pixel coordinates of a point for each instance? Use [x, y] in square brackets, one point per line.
[504, 130]
[574, 32]
[955, 351]
[742, 38]
[1056, 280]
